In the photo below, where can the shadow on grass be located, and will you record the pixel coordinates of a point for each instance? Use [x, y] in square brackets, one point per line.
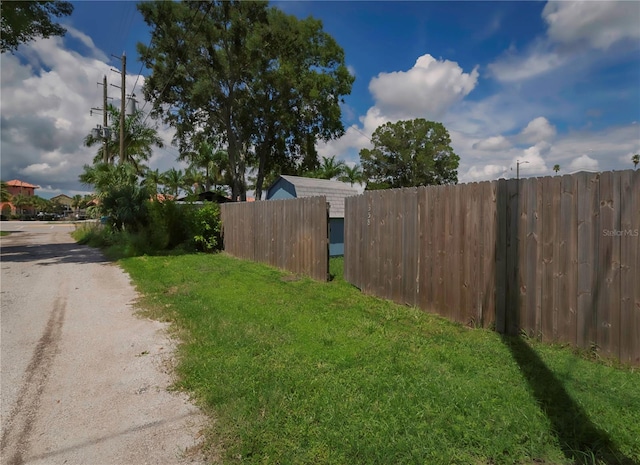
[580, 440]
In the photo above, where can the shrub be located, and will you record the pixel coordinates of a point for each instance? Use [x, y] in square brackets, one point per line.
[188, 226]
[205, 227]
[163, 226]
[168, 225]
[126, 205]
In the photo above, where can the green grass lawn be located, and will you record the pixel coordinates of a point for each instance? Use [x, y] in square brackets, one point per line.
[296, 372]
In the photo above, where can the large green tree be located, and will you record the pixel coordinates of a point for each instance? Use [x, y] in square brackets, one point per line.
[265, 83]
[410, 153]
[25, 21]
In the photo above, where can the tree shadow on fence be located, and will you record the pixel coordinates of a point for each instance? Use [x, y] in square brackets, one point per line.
[580, 439]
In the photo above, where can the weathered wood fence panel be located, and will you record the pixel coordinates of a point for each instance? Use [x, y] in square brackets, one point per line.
[289, 234]
[557, 257]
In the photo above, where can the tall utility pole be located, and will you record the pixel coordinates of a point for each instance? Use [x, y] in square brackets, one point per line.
[103, 132]
[122, 104]
[105, 119]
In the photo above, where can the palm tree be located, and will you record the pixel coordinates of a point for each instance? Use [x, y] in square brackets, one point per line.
[22, 203]
[194, 180]
[329, 169]
[138, 143]
[103, 176]
[215, 164]
[173, 181]
[352, 174]
[635, 159]
[556, 168]
[5, 195]
[76, 201]
[152, 179]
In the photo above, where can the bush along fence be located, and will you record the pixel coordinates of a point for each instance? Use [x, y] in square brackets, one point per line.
[289, 234]
[556, 257]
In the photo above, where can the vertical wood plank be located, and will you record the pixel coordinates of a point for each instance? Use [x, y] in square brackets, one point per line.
[425, 285]
[528, 255]
[568, 260]
[512, 275]
[501, 255]
[548, 259]
[440, 219]
[630, 267]
[474, 266]
[608, 272]
[410, 253]
[588, 241]
[395, 244]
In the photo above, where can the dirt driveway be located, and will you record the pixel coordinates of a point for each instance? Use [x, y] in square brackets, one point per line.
[83, 380]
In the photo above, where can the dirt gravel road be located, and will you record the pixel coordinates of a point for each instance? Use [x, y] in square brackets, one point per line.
[83, 379]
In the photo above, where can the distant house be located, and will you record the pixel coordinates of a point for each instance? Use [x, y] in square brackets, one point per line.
[15, 187]
[291, 187]
[62, 199]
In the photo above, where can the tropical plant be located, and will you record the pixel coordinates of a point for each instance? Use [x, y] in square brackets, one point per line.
[76, 202]
[126, 206]
[122, 197]
[213, 162]
[635, 159]
[556, 168]
[5, 195]
[173, 179]
[351, 174]
[153, 179]
[23, 203]
[330, 168]
[102, 176]
[194, 181]
[140, 138]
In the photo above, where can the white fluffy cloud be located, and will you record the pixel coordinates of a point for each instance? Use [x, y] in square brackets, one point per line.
[574, 31]
[514, 67]
[493, 144]
[484, 173]
[427, 90]
[598, 24]
[47, 92]
[584, 163]
[538, 130]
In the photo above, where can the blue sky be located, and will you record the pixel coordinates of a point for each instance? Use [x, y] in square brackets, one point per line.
[541, 82]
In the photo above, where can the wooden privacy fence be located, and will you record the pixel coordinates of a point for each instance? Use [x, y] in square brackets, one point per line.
[556, 257]
[289, 234]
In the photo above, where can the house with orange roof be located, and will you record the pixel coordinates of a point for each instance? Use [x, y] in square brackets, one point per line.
[16, 188]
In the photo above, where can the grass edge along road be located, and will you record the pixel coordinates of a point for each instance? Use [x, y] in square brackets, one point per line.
[297, 371]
